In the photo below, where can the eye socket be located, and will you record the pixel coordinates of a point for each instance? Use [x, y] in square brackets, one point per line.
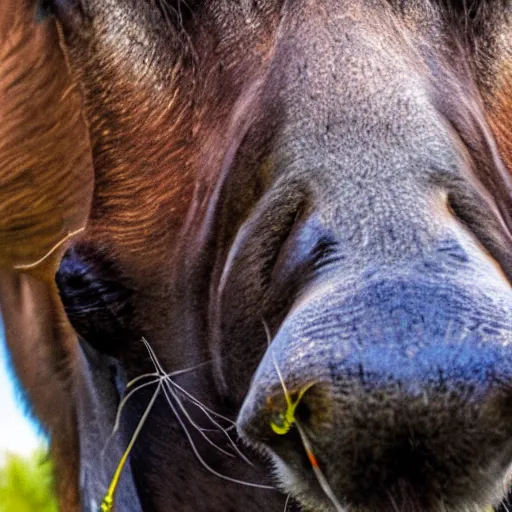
[97, 303]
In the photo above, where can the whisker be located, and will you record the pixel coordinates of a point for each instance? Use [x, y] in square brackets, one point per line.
[201, 460]
[167, 375]
[202, 406]
[153, 357]
[117, 421]
[58, 245]
[165, 385]
[134, 381]
[141, 377]
[207, 412]
[108, 501]
[287, 502]
[227, 429]
[324, 484]
[192, 422]
[170, 389]
[393, 503]
[267, 332]
[125, 400]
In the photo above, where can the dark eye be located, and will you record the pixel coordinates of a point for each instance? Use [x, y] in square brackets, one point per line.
[96, 302]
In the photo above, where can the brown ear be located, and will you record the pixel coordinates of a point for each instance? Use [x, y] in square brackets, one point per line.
[46, 182]
[43, 353]
[46, 175]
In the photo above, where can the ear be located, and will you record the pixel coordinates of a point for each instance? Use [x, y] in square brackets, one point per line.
[46, 183]
[46, 175]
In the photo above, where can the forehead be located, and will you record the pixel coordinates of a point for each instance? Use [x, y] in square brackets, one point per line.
[185, 65]
[151, 34]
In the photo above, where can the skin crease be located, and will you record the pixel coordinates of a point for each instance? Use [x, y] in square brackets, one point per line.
[338, 170]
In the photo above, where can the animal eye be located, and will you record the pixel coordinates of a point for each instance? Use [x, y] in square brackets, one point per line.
[97, 304]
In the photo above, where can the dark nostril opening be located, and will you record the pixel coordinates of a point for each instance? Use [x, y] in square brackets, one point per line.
[303, 412]
[276, 414]
[302, 405]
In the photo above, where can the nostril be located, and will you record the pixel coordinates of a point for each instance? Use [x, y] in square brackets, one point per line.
[270, 418]
[286, 408]
[304, 413]
[409, 387]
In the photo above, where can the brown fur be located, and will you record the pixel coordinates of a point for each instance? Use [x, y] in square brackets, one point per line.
[46, 182]
[501, 117]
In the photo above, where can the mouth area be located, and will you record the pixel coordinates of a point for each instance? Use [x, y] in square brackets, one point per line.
[319, 491]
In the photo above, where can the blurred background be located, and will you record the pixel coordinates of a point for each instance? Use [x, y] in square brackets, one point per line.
[26, 481]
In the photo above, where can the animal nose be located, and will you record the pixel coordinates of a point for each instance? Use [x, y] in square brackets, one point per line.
[408, 402]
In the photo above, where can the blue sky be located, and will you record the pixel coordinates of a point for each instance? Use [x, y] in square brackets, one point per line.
[17, 433]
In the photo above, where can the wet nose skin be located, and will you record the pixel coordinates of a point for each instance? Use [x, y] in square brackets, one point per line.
[403, 389]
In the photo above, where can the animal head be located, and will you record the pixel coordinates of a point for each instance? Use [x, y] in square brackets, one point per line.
[303, 208]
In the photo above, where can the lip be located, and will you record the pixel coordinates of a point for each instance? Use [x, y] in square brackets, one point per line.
[297, 479]
[296, 476]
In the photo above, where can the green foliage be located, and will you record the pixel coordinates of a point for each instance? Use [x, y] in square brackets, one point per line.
[26, 484]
